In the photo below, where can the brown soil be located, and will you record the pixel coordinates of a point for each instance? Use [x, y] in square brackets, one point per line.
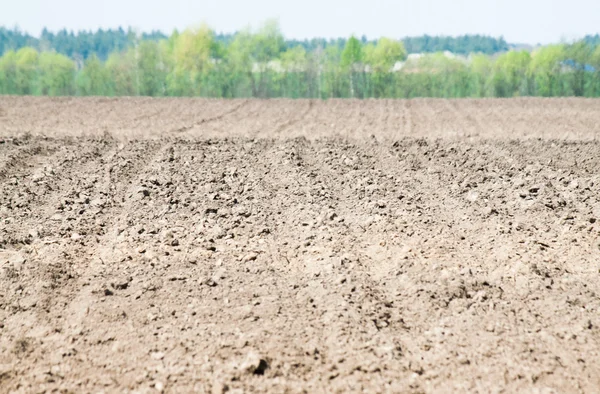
[185, 245]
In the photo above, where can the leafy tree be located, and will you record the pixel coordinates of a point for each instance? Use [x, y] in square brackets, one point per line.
[385, 54]
[26, 76]
[8, 73]
[595, 63]
[437, 75]
[351, 62]
[482, 76]
[381, 58]
[93, 78]
[510, 74]
[268, 42]
[352, 54]
[250, 56]
[333, 85]
[240, 65]
[191, 53]
[578, 56]
[545, 68]
[56, 74]
[151, 69]
[294, 64]
[121, 73]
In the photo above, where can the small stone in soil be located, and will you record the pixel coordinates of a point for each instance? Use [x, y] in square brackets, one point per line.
[250, 257]
[255, 365]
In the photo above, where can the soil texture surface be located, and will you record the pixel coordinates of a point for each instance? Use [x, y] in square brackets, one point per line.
[194, 245]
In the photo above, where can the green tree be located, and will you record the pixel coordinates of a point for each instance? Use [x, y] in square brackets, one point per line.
[545, 69]
[435, 75]
[252, 58]
[26, 77]
[151, 69]
[449, 76]
[56, 75]
[351, 62]
[481, 73]
[93, 78]
[335, 83]
[8, 73]
[579, 55]
[595, 63]
[191, 53]
[385, 54]
[121, 74]
[240, 65]
[352, 53]
[381, 58]
[511, 74]
[294, 64]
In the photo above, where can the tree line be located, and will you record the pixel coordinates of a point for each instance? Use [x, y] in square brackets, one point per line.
[82, 44]
[262, 63]
[462, 45]
[77, 46]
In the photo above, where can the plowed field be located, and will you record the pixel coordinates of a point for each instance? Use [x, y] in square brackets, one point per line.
[190, 245]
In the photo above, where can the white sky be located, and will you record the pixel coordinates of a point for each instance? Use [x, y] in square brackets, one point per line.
[519, 21]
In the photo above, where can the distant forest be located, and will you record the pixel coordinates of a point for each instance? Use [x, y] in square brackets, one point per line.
[76, 45]
[82, 44]
[592, 40]
[264, 63]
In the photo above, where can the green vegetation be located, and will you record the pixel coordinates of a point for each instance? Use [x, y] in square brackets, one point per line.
[78, 46]
[462, 45]
[102, 43]
[262, 63]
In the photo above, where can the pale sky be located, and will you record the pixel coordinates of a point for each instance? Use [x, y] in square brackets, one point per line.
[519, 21]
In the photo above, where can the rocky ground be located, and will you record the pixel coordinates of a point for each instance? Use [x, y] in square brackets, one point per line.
[184, 245]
